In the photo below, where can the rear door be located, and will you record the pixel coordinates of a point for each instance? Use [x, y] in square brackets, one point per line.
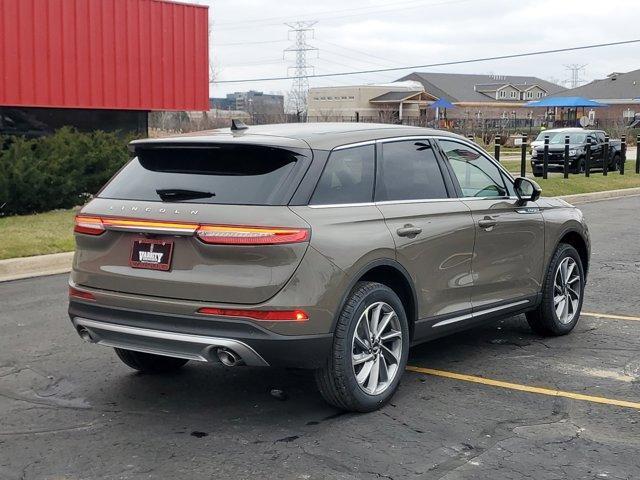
[206, 222]
[509, 239]
[433, 232]
[598, 149]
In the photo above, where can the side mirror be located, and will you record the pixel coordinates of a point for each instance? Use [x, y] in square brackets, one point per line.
[527, 190]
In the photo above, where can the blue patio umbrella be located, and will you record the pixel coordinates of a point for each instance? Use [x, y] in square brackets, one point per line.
[566, 102]
[442, 103]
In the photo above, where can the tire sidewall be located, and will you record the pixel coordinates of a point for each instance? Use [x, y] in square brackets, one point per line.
[564, 252]
[371, 402]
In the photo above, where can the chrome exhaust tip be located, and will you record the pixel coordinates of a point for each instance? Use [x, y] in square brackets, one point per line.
[228, 358]
[85, 335]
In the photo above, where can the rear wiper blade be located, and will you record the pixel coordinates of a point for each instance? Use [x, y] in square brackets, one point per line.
[176, 194]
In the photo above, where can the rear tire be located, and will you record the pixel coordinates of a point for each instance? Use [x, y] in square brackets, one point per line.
[562, 294]
[350, 382]
[148, 362]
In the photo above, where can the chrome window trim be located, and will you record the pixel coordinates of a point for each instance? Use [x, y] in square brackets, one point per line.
[405, 138]
[354, 145]
[423, 200]
[343, 205]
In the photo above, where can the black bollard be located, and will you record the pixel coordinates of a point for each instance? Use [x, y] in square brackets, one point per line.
[623, 153]
[566, 157]
[523, 157]
[605, 156]
[638, 154]
[587, 158]
[545, 157]
[496, 148]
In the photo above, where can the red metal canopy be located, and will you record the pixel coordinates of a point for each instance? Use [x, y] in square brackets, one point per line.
[111, 54]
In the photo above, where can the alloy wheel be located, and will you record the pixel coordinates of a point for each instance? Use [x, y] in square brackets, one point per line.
[566, 290]
[376, 348]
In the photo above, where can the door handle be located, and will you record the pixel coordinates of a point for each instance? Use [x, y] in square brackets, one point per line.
[409, 231]
[487, 223]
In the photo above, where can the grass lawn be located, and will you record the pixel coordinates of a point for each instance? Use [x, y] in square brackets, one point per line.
[26, 235]
[555, 185]
[514, 165]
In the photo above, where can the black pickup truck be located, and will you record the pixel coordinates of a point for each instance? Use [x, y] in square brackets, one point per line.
[577, 152]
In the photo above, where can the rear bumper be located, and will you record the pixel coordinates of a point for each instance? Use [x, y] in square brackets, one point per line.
[195, 338]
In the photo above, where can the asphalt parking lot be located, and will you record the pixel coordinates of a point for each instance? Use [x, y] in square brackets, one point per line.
[69, 410]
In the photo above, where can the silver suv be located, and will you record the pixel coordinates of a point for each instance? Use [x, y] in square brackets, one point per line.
[332, 247]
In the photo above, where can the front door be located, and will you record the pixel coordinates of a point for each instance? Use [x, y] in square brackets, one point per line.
[509, 241]
[433, 233]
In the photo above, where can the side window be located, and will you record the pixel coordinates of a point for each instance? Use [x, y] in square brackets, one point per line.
[408, 170]
[347, 177]
[476, 174]
[600, 137]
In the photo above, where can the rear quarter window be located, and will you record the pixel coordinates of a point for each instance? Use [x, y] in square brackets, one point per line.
[348, 177]
[224, 174]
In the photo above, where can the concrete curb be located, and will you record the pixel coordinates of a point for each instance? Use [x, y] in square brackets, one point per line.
[579, 198]
[41, 265]
[37, 266]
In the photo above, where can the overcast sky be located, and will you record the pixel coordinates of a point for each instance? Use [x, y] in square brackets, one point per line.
[248, 37]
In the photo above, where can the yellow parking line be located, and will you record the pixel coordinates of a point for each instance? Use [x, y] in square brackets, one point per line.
[523, 388]
[609, 315]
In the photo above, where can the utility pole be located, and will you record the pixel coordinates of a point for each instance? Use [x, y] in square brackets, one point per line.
[576, 71]
[301, 68]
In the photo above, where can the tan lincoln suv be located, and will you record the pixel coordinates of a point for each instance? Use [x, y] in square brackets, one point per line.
[333, 247]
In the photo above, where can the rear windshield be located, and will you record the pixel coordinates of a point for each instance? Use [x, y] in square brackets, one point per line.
[225, 174]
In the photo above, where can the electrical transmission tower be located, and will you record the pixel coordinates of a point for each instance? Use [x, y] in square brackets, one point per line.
[301, 69]
[576, 78]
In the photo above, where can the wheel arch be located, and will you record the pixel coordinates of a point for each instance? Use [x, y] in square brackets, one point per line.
[576, 240]
[392, 274]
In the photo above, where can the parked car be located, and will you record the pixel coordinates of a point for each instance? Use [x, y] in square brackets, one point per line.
[577, 152]
[333, 247]
[539, 140]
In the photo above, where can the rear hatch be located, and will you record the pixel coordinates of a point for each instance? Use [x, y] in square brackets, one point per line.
[206, 222]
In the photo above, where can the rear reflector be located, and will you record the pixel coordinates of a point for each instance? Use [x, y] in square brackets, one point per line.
[88, 225]
[74, 292]
[237, 235]
[262, 315]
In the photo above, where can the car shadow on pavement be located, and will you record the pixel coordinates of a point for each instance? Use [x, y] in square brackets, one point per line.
[217, 392]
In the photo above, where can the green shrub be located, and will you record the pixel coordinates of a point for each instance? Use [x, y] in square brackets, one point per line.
[58, 171]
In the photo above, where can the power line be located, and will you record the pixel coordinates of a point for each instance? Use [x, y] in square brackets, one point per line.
[441, 64]
[360, 52]
[330, 14]
[259, 42]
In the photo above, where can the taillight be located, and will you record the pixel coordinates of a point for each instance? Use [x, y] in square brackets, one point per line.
[237, 235]
[263, 315]
[88, 225]
[210, 234]
[74, 292]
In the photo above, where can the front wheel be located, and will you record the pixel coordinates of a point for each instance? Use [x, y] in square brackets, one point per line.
[579, 166]
[615, 163]
[148, 362]
[562, 294]
[370, 349]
